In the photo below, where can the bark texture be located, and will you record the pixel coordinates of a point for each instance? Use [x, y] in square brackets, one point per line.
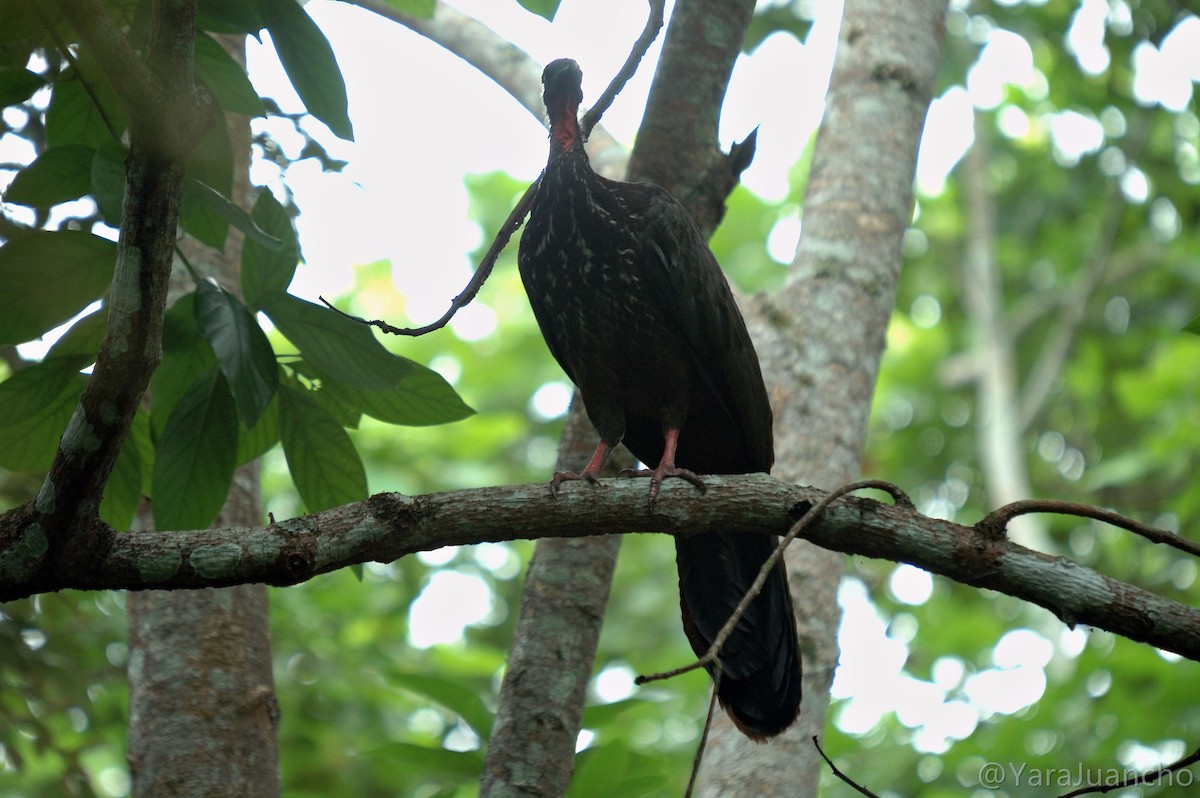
[203, 714]
[821, 337]
[532, 748]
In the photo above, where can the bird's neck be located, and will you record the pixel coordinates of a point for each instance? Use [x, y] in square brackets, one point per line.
[564, 132]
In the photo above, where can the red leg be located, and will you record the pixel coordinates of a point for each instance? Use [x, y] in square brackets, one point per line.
[589, 472]
[667, 468]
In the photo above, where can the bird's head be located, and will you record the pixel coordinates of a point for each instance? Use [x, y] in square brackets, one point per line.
[562, 93]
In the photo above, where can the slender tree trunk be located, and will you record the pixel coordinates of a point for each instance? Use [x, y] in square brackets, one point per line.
[821, 337]
[998, 426]
[532, 749]
[202, 709]
[203, 714]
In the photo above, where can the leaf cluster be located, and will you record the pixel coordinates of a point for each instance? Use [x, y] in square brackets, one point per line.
[229, 387]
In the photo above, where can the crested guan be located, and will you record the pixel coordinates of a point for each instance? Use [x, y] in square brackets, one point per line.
[636, 310]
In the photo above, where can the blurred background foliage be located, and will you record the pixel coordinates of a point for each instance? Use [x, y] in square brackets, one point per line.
[386, 684]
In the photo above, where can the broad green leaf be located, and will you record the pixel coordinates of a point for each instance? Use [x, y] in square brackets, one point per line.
[84, 337]
[78, 265]
[17, 85]
[543, 8]
[334, 345]
[320, 455]
[194, 456]
[186, 356]
[1193, 327]
[24, 28]
[451, 694]
[340, 401]
[211, 164]
[226, 78]
[35, 405]
[57, 175]
[228, 16]
[243, 351]
[265, 268]
[254, 442]
[108, 181]
[72, 116]
[310, 64]
[123, 490]
[231, 213]
[423, 398]
[599, 768]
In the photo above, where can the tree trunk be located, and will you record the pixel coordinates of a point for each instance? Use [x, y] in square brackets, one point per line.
[532, 748]
[821, 338]
[202, 709]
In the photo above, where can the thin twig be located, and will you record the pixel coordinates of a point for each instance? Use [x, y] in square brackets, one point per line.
[708, 718]
[861, 789]
[1146, 778]
[714, 648]
[654, 24]
[994, 524]
[517, 217]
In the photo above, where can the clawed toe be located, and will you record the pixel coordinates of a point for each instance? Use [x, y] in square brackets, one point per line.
[657, 475]
[570, 476]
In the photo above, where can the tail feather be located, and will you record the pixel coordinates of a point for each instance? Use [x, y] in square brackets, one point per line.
[760, 661]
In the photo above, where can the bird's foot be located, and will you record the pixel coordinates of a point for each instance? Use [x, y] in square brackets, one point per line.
[657, 475]
[570, 476]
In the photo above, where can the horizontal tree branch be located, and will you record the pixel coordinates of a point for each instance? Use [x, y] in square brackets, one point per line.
[390, 525]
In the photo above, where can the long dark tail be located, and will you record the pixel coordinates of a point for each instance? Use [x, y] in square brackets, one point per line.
[760, 678]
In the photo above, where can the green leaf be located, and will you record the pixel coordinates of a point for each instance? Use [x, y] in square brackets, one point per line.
[243, 351]
[310, 64]
[194, 457]
[1193, 327]
[597, 716]
[342, 348]
[320, 455]
[72, 116]
[123, 491]
[231, 213]
[57, 175]
[226, 78]
[79, 267]
[423, 398]
[543, 8]
[212, 165]
[265, 268]
[35, 405]
[17, 85]
[254, 442]
[228, 16]
[84, 337]
[108, 181]
[599, 768]
[186, 356]
[451, 694]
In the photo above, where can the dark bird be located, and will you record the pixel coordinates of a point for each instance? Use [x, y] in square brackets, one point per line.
[635, 308]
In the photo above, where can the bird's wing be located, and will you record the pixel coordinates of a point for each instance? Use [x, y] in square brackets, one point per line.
[686, 282]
